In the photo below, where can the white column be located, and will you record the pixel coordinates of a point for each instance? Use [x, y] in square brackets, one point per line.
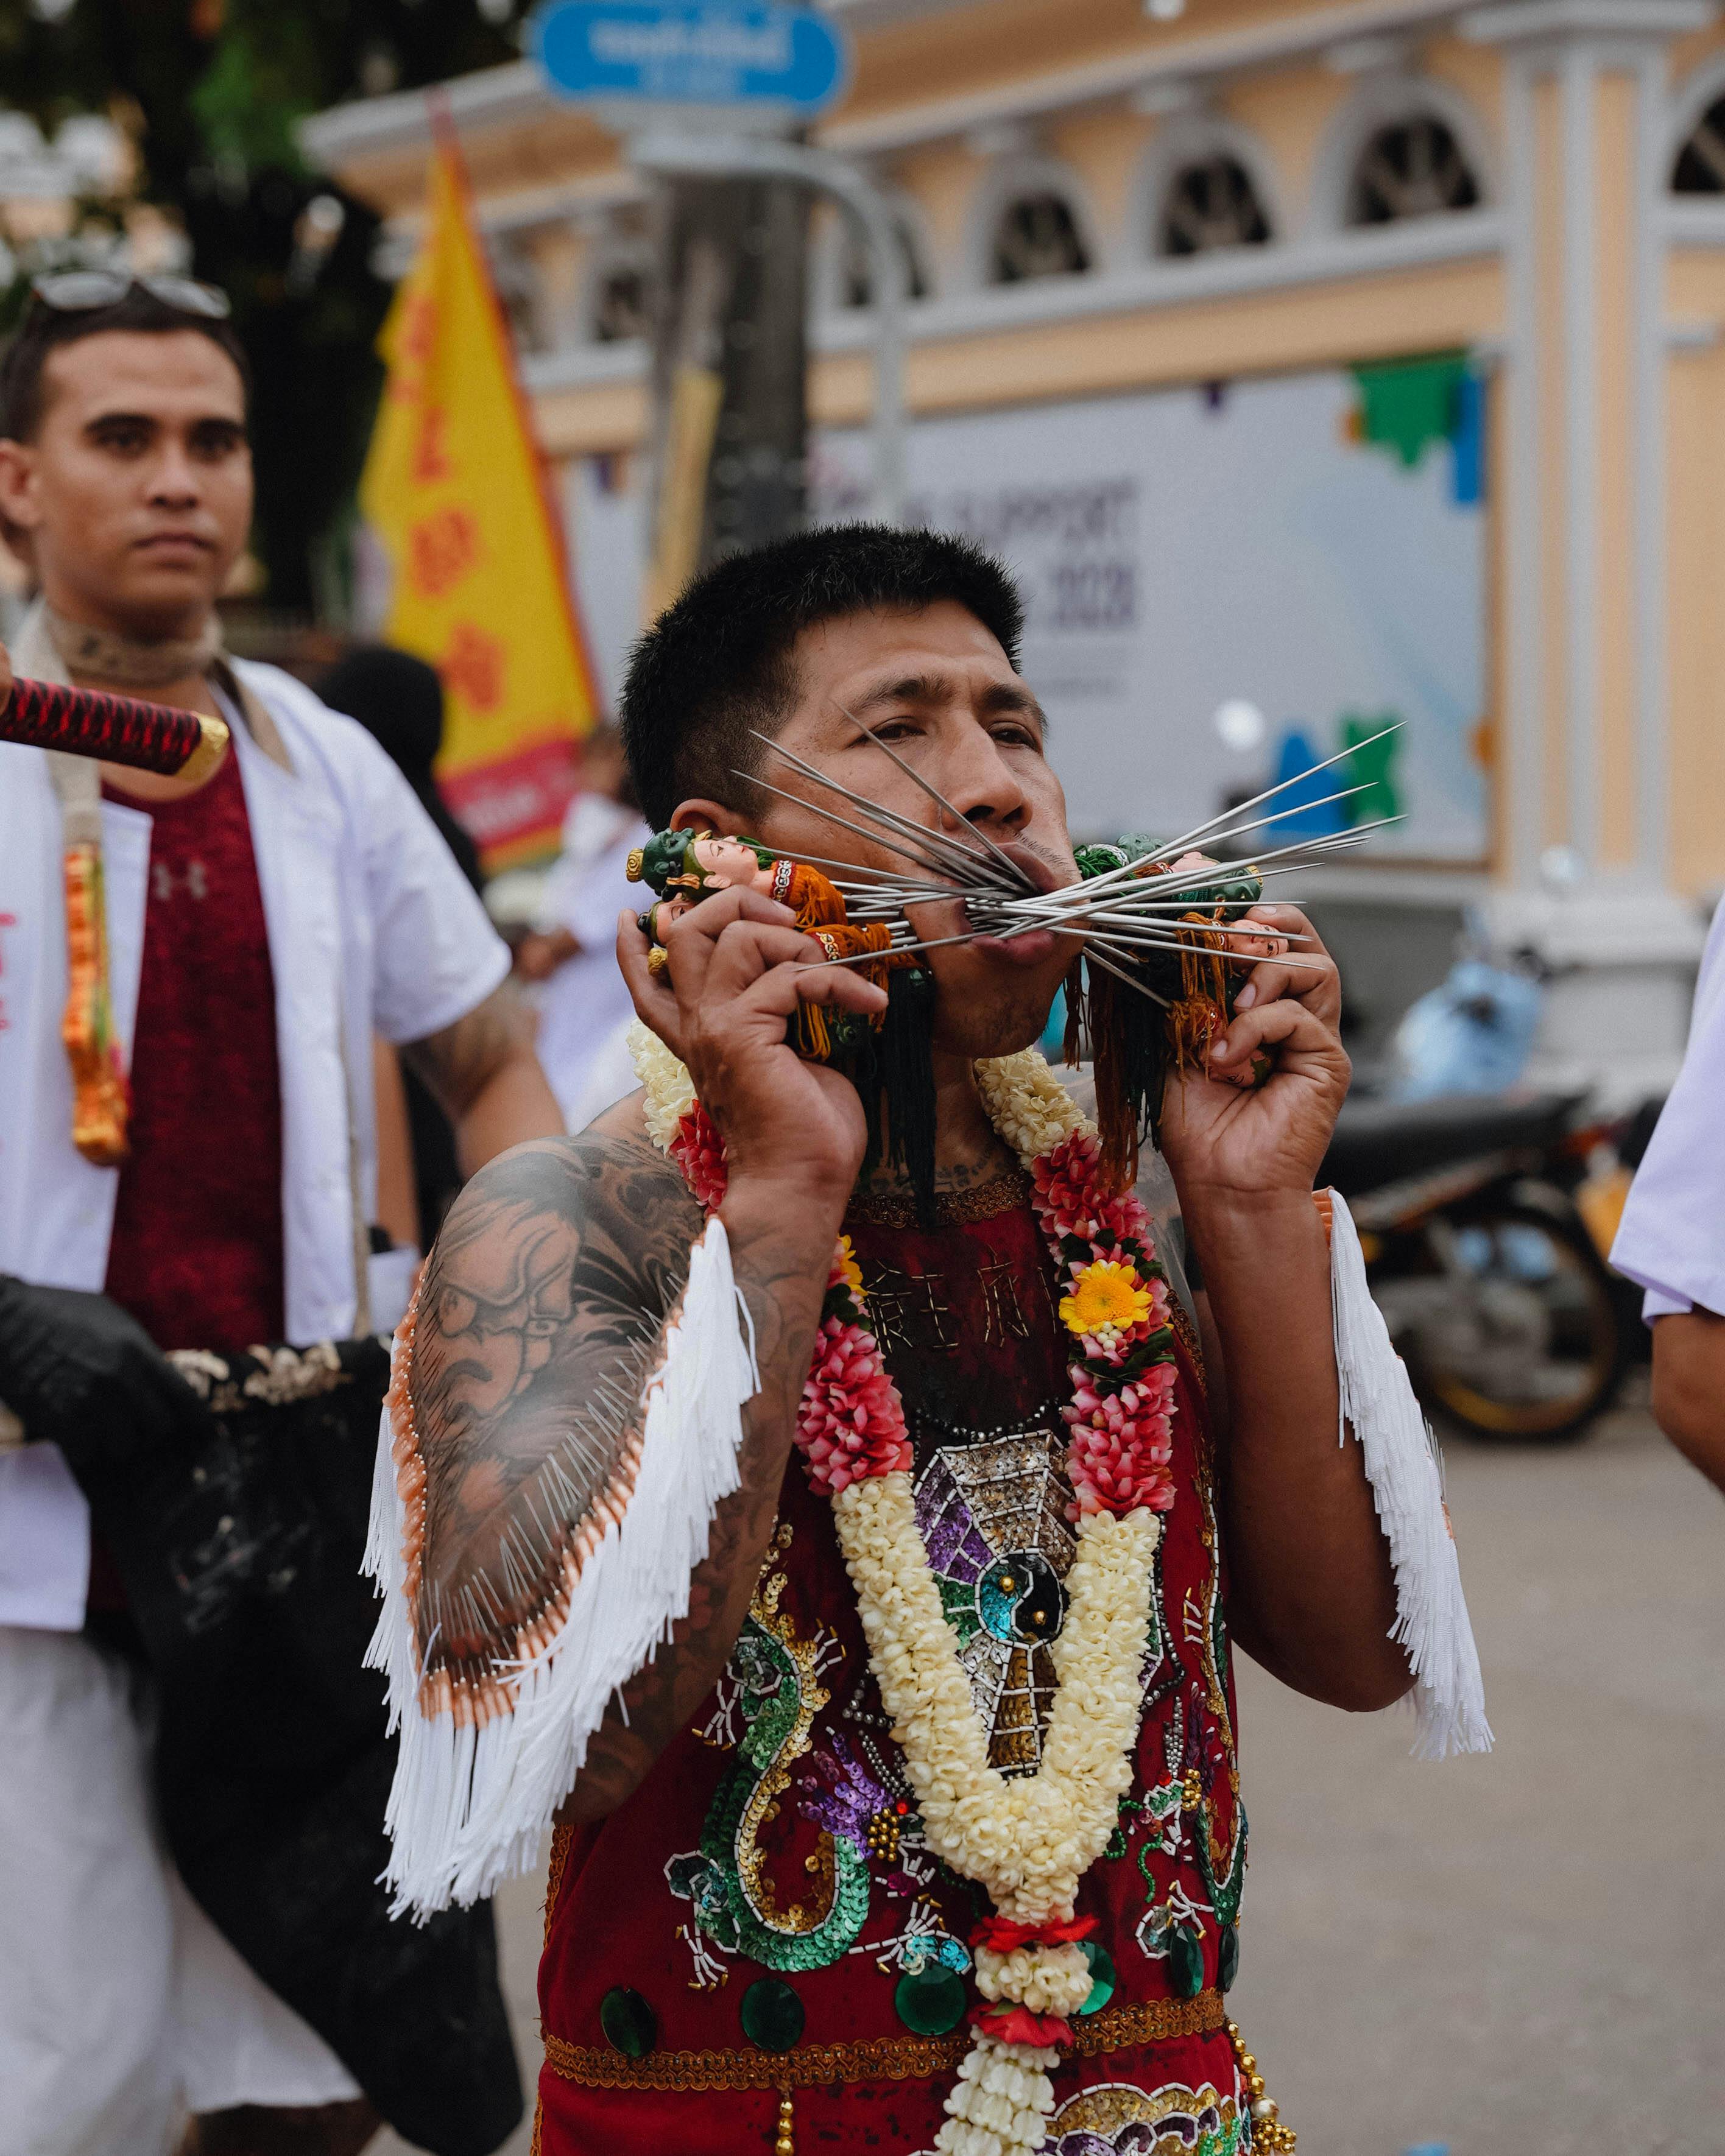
[1583, 487]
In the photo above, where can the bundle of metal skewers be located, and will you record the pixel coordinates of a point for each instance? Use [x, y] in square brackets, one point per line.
[1161, 933]
[1165, 942]
[1133, 898]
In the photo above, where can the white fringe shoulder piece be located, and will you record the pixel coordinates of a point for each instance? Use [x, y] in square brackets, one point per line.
[1431, 1622]
[482, 1771]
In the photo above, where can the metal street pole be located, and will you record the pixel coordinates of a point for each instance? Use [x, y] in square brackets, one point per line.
[721, 156]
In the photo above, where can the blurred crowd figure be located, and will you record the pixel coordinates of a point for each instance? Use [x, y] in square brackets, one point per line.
[570, 952]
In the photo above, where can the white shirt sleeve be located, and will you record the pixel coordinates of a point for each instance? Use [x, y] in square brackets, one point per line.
[436, 956]
[1672, 1239]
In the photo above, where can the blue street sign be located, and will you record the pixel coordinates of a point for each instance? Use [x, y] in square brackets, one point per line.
[691, 52]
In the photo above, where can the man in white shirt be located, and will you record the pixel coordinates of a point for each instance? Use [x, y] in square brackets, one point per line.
[261, 927]
[1671, 1238]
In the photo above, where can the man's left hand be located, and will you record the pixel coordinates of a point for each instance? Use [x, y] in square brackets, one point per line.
[1219, 1138]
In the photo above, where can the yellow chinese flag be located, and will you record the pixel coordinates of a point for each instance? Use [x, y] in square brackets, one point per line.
[455, 490]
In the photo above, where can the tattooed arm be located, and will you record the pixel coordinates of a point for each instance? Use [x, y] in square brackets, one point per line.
[543, 1311]
[547, 1303]
[486, 1078]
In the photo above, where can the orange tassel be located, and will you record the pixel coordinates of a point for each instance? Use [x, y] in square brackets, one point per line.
[100, 1100]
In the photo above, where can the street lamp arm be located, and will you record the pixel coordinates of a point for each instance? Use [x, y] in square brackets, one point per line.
[721, 157]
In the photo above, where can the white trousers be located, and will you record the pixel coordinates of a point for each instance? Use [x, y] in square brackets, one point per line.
[121, 2007]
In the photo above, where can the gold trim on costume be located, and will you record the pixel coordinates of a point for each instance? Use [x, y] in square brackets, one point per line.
[878, 2059]
[1186, 1332]
[982, 1201]
[561, 1836]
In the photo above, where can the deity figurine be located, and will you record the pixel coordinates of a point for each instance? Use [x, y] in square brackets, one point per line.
[697, 862]
[1133, 1043]
[684, 867]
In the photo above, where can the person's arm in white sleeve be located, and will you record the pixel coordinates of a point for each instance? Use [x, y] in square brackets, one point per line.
[1671, 1238]
[441, 990]
[1689, 1388]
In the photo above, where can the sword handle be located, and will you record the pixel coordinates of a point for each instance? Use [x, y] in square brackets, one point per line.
[115, 729]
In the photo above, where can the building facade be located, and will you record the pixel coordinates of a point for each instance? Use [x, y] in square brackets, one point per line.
[1320, 363]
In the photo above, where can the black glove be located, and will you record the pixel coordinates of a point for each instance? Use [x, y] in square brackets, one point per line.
[79, 1369]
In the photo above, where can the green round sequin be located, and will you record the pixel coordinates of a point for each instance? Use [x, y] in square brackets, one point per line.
[773, 2015]
[1104, 1976]
[930, 2000]
[1185, 1961]
[1228, 1957]
[629, 2023]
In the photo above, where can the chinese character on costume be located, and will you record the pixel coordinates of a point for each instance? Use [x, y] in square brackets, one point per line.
[950, 1855]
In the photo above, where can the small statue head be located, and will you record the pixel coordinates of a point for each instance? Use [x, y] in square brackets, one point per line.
[726, 862]
[660, 859]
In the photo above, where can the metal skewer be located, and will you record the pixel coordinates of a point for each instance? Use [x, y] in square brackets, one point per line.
[1075, 893]
[858, 868]
[1109, 918]
[940, 800]
[1175, 846]
[832, 816]
[1096, 958]
[891, 820]
[1281, 815]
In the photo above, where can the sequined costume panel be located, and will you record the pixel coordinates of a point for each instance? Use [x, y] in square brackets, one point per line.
[767, 1885]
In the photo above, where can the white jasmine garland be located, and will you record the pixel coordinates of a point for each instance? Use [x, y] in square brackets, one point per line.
[668, 1088]
[1047, 1979]
[1031, 1839]
[1028, 1840]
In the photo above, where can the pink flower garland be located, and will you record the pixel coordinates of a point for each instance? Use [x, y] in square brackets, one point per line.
[850, 1423]
[1121, 1415]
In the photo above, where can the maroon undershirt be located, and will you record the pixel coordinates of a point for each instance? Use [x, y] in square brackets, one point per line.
[197, 1250]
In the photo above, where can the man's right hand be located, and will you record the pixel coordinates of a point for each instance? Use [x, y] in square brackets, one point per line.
[77, 1368]
[738, 967]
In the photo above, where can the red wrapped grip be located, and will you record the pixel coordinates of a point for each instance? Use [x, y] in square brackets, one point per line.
[115, 729]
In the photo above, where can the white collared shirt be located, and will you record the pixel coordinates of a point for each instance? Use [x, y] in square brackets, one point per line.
[372, 928]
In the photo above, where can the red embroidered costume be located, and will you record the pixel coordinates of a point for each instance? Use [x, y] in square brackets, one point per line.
[762, 1919]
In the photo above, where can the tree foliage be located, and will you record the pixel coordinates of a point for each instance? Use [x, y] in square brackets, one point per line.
[210, 92]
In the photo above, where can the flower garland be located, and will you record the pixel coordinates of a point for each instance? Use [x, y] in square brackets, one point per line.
[1028, 1840]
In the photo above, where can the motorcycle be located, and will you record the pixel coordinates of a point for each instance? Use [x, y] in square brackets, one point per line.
[1496, 1293]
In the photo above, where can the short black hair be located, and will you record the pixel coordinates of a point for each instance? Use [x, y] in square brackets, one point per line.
[718, 660]
[46, 330]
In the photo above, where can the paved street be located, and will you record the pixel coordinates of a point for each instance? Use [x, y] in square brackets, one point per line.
[1524, 1953]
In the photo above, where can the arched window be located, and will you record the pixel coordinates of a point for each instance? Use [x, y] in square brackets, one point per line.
[1700, 169]
[1210, 202]
[1036, 235]
[1411, 167]
[621, 302]
[857, 265]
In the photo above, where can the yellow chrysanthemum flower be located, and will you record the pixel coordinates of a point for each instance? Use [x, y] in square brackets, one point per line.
[1105, 1298]
[848, 1269]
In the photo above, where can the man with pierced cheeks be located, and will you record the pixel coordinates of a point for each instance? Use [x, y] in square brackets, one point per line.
[744, 1926]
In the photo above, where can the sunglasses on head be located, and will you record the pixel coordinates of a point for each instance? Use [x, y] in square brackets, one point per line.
[80, 291]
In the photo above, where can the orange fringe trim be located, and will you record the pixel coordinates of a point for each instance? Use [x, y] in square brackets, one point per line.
[843, 939]
[475, 1694]
[101, 1101]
